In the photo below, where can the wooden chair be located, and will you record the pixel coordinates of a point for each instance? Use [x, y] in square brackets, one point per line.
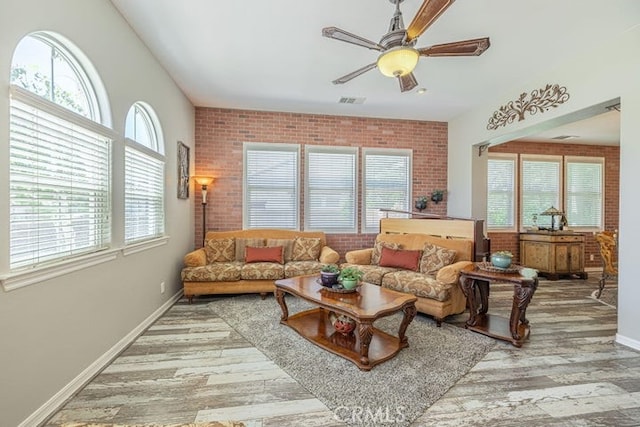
[608, 243]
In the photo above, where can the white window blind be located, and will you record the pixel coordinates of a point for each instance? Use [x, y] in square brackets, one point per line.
[271, 189]
[501, 173]
[584, 192]
[143, 196]
[59, 183]
[540, 189]
[331, 181]
[387, 185]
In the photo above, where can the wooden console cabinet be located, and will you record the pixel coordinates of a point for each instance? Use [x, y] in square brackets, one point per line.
[553, 253]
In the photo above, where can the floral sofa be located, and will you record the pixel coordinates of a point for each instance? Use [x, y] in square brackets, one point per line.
[248, 261]
[420, 264]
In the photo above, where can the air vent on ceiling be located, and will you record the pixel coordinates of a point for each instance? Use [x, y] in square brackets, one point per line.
[351, 100]
[563, 137]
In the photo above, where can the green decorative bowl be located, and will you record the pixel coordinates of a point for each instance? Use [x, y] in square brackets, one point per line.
[501, 261]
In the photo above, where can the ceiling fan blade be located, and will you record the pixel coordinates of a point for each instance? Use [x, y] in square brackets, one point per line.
[345, 36]
[354, 74]
[407, 82]
[473, 47]
[426, 15]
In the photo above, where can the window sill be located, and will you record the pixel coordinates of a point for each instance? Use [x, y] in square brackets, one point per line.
[17, 280]
[143, 246]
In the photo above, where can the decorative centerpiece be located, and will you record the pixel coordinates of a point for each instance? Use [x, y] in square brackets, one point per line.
[329, 275]
[349, 277]
[501, 259]
[341, 323]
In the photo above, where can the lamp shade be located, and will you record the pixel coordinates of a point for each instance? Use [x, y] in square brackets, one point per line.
[398, 61]
[203, 180]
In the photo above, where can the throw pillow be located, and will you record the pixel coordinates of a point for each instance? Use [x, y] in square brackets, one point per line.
[377, 250]
[398, 258]
[435, 257]
[306, 249]
[286, 243]
[264, 254]
[242, 243]
[220, 250]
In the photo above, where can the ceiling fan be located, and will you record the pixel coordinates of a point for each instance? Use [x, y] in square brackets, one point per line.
[399, 57]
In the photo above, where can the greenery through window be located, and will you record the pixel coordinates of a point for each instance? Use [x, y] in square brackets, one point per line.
[59, 158]
[144, 176]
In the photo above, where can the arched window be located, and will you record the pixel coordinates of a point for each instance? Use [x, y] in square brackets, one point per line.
[144, 175]
[60, 156]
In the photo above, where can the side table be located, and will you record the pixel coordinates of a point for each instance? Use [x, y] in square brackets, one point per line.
[475, 282]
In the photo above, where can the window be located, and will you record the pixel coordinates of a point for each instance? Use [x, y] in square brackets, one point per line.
[59, 157]
[541, 177]
[331, 189]
[584, 192]
[271, 176]
[501, 192]
[387, 185]
[144, 176]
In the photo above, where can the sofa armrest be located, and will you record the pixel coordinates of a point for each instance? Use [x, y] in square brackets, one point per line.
[359, 256]
[451, 273]
[328, 256]
[196, 258]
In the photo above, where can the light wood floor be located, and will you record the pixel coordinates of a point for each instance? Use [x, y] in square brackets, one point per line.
[191, 366]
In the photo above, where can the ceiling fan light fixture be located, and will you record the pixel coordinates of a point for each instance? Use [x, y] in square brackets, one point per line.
[398, 61]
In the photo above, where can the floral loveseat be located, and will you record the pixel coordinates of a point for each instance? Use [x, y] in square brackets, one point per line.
[248, 261]
[420, 264]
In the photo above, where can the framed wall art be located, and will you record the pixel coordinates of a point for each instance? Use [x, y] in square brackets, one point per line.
[183, 171]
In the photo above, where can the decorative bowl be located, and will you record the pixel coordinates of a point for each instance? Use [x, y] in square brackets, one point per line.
[501, 261]
[341, 323]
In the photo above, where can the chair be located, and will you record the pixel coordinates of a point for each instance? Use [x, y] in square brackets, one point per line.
[608, 243]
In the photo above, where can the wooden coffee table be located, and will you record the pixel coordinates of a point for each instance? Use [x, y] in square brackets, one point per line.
[367, 346]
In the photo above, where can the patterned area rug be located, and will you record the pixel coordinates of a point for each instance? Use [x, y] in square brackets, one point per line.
[401, 388]
[609, 295]
[208, 424]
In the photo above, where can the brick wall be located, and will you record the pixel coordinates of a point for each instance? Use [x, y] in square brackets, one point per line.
[220, 134]
[611, 154]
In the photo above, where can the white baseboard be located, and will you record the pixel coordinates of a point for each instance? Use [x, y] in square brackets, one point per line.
[634, 344]
[61, 397]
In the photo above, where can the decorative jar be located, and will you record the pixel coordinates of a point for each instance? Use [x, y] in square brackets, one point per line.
[501, 259]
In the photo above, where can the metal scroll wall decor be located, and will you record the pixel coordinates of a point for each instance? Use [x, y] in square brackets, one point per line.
[541, 100]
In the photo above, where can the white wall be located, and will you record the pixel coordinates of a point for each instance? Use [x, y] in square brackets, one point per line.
[50, 332]
[608, 71]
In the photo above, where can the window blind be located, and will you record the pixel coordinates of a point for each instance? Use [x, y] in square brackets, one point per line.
[387, 185]
[331, 180]
[501, 193]
[59, 185]
[271, 186]
[540, 190]
[144, 196]
[584, 193]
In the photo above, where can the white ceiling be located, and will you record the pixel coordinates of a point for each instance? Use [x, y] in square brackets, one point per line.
[270, 54]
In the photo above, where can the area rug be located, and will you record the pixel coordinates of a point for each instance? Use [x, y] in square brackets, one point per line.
[608, 297]
[402, 388]
[209, 424]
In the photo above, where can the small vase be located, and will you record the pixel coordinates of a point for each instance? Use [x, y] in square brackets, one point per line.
[349, 283]
[421, 204]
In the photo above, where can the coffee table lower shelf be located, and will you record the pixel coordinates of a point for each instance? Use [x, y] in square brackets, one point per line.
[315, 326]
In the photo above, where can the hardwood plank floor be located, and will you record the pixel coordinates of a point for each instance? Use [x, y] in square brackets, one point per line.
[191, 366]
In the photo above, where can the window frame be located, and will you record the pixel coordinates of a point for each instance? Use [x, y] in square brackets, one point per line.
[560, 197]
[365, 227]
[337, 150]
[590, 160]
[513, 157]
[295, 193]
